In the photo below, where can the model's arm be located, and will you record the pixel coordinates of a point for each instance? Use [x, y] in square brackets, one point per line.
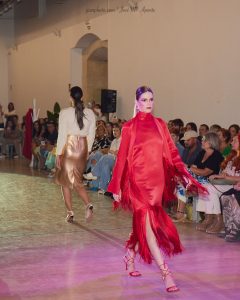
[62, 132]
[114, 185]
[176, 159]
[92, 130]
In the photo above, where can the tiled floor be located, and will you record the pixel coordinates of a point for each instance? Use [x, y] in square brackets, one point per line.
[42, 257]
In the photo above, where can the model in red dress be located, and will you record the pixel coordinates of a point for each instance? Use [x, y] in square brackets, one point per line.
[144, 178]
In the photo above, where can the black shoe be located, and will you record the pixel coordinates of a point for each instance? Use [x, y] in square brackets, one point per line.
[221, 235]
[108, 194]
[232, 238]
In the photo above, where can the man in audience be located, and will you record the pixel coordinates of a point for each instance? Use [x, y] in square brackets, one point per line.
[51, 133]
[191, 151]
[175, 137]
[203, 129]
[215, 128]
[192, 147]
[178, 124]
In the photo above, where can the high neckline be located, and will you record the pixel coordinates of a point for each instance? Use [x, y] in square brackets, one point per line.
[144, 116]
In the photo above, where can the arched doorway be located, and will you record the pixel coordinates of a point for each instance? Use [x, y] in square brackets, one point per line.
[89, 66]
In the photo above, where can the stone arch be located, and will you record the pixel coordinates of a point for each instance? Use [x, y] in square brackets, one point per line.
[90, 66]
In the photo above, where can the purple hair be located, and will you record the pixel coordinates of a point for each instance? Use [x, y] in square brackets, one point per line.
[141, 90]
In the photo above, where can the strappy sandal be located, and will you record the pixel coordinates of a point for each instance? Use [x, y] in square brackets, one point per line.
[69, 217]
[168, 279]
[129, 261]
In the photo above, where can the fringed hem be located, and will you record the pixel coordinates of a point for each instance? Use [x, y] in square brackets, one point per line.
[166, 233]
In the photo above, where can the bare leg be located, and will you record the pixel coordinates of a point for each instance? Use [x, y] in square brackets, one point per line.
[84, 195]
[158, 257]
[67, 197]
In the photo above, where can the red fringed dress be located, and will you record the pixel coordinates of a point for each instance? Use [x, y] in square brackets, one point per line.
[145, 174]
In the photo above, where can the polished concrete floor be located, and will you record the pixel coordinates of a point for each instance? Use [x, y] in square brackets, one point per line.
[43, 257]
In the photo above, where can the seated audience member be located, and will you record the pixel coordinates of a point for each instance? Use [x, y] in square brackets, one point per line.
[1, 117]
[51, 133]
[12, 136]
[206, 163]
[50, 162]
[47, 143]
[100, 147]
[215, 128]
[109, 127]
[114, 119]
[189, 155]
[37, 137]
[178, 125]
[230, 201]
[170, 125]
[225, 142]
[102, 170]
[102, 123]
[234, 130]
[192, 147]
[203, 129]
[121, 122]
[98, 113]
[191, 126]
[230, 175]
[175, 136]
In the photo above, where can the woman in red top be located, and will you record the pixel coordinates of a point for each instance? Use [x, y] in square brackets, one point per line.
[144, 178]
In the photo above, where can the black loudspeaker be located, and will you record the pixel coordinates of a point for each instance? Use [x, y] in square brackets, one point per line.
[108, 101]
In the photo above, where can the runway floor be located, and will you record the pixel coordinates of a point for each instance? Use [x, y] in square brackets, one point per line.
[43, 257]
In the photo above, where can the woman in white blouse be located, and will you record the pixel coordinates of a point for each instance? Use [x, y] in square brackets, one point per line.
[75, 139]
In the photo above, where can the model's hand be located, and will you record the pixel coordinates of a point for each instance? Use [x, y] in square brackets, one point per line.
[116, 197]
[58, 162]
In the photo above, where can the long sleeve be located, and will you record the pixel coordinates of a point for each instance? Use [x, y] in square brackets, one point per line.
[92, 130]
[176, 159]
[118, 171]
[62, 133]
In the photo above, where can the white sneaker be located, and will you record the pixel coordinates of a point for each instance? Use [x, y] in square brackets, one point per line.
[15, 156]
[89, 176]
[101, 192]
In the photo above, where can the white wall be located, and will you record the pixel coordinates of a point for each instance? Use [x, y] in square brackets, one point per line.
[41, 69]
[187, 51]
[6, 42]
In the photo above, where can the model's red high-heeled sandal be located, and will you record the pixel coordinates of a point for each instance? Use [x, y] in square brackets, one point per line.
[130, 261]
[168, 279]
